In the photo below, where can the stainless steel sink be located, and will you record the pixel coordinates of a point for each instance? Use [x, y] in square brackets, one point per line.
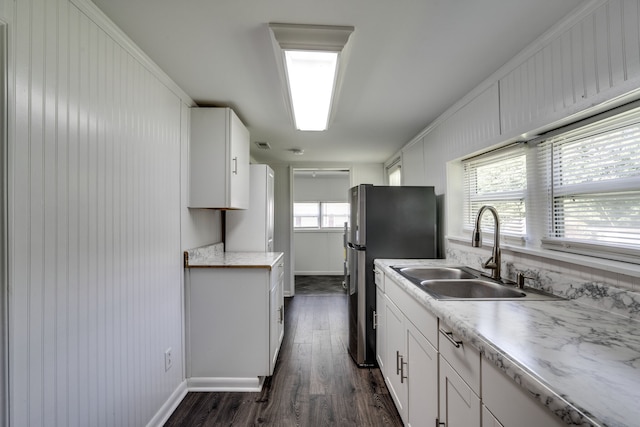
[464, 283]
[469, 289]
[430, 273]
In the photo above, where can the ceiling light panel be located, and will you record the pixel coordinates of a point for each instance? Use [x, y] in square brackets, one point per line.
[310, 58]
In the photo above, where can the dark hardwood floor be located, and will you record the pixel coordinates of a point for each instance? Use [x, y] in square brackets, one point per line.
[315, 382]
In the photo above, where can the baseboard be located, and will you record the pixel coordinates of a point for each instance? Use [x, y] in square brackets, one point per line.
[224, 384]
[165, 411]
[319, 273]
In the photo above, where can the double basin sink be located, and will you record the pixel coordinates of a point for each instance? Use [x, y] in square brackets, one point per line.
[464, 283]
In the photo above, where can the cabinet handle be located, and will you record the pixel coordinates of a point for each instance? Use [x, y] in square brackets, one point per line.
[402, 365]
[235, 166]
[281, 310]
[375, 320]
[449, 336]
[398, 363]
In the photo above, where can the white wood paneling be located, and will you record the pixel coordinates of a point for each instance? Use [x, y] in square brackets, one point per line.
[413, 164]
[94, 220]
[598, 54]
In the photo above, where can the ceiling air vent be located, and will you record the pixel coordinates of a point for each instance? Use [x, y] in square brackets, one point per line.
[263, 145]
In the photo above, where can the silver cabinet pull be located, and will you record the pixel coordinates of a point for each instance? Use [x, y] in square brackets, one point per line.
[375, 320]
[402, 365]
[398, 363]
[281, 310]
[235, 166]
[449, 336]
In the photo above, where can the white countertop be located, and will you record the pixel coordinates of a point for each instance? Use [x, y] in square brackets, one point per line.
[582, 363]
[212, 256]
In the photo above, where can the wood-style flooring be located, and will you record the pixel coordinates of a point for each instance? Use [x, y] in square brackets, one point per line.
[315, 382]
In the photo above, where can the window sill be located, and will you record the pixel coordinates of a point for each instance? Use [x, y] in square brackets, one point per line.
[619, 267]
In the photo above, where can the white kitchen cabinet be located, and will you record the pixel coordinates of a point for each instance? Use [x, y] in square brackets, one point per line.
[379, 323]
[509, 404]
[410, 358]
[459, 405]
[459, 382]
[422, 379]
[488, 420]
[218, 160]
[381, 330]
[276, 309]
[396, 354]
[235, 325]
[251, 230]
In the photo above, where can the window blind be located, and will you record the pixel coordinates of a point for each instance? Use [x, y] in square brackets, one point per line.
[499, 179]
[592, 184]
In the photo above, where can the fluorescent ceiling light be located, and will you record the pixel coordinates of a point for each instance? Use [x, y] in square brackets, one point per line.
[311, 76]
[311, 59]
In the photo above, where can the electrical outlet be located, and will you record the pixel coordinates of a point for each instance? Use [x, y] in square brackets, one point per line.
[168, 361]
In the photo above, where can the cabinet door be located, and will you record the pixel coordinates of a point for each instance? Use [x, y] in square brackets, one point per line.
[239, 177]
[381, 346]
[422, 379]
[396, 356]
[488, 420]
[459, 405]
[276, 318]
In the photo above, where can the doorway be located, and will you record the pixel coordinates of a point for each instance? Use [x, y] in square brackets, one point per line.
[320, 210]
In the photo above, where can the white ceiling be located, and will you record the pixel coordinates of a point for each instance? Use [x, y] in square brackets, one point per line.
[409, 61]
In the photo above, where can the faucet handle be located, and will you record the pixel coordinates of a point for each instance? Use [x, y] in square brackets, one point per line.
[520, 279]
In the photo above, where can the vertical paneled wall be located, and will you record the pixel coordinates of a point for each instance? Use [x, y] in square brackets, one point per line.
[597, 56]
[94, 220]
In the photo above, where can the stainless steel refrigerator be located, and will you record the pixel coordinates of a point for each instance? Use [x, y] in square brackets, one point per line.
[385, 222]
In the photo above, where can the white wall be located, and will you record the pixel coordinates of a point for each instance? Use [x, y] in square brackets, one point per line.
[319, 252]
[96, 137]
[587, 63]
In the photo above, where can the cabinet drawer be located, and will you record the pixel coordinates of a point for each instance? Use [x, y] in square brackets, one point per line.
[379, 278]
[425, 321]
[462, 357]
[511, 403]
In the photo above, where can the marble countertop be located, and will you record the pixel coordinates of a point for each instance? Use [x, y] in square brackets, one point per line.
[582, 363]
[213, 256]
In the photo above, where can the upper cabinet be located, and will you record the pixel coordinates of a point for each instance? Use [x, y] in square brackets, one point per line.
[218, 160]
[595, 59]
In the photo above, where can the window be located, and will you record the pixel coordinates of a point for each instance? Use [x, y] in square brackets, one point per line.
[592, 181]
[306, 215]
[320, 214]
[394, 173]
[498, 179]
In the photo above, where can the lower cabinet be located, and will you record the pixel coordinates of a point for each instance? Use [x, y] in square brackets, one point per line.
[459, 382]
[276, 310]
[410, 366]
[508, 405]
[234, 326]
[436, 379]
[422, 379]
[379, 325]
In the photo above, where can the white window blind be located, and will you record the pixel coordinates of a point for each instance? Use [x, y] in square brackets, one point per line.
[592, 182]
[498, 179]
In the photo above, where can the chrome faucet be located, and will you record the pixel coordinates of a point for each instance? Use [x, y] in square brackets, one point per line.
[492, 263]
